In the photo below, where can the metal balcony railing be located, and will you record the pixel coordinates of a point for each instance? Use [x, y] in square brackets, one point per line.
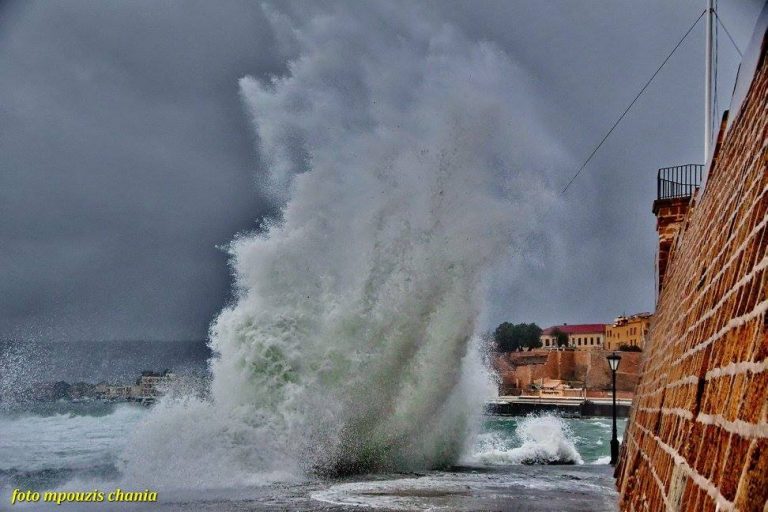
[678, 181]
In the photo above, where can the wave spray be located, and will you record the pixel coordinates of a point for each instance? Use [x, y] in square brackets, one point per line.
[348, 348]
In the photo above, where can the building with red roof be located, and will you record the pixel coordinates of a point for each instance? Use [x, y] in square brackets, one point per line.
[580, 336]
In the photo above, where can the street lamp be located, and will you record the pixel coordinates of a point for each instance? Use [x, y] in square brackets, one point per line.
[613, 361]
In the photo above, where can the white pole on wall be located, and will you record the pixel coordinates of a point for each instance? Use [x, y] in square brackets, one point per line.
[710, 19]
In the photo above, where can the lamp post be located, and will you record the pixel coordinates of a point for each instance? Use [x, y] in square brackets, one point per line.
[613, 361]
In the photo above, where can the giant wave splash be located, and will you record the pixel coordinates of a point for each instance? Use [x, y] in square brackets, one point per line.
[349, 347]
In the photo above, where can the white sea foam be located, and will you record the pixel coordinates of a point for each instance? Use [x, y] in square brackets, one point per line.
[31, 442]
[472, 491]
[397, 155]
[538, 440]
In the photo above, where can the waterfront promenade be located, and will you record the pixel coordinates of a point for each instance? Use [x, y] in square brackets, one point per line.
[570, 406]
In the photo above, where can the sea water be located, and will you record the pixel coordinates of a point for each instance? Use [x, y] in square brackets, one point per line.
[80, 446]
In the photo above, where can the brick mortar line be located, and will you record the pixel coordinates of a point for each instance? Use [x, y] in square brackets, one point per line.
[702, 482]
[677, 411]
[737, 369]
[739, 427]
[691, 379]
[729, 370]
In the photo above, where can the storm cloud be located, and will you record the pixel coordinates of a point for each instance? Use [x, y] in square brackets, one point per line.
[128, 157]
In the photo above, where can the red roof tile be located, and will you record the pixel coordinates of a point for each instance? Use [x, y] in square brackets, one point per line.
[577, 329]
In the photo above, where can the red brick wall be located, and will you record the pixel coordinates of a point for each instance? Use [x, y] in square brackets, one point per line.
[697, 439]
[670, 214]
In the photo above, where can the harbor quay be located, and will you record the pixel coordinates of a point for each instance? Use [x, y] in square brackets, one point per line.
[563, 406]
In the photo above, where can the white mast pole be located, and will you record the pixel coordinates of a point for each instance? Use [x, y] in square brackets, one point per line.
[708, 81]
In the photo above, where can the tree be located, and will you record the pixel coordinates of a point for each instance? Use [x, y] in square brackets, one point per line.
[510, 337]
[560, 337]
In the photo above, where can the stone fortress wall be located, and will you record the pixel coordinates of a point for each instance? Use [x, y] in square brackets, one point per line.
[518, 370]
[697, 439]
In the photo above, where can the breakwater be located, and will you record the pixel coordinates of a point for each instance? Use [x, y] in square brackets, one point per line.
[521, 406]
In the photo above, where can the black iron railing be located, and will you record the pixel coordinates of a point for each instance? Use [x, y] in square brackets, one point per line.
[678, 181]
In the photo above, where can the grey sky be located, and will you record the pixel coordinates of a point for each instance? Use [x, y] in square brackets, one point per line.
[127, 156]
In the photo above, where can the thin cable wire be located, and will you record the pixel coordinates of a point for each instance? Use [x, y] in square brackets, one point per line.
[716, 49]
[728, 34]
[589, 158]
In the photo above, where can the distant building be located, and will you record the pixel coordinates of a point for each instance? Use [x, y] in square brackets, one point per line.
[81, 390]
[101, 389]
[119, 392]
[150, 383]
[580, 336]
[630, 331]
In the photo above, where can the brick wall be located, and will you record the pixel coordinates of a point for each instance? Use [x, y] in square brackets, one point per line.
[670, 214]
[698, 435]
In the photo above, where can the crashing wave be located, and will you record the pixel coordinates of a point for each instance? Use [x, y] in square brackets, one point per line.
[538, 440]
[349, 347]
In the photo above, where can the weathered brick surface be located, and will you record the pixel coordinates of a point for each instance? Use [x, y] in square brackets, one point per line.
[698, 434]
[670, 214]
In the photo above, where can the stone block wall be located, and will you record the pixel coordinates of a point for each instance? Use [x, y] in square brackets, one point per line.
[697, 439]
[518, 370]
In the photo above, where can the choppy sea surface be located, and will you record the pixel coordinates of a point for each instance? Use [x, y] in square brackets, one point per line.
[516, 463]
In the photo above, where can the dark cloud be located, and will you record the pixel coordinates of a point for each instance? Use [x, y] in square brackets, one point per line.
[127, 156]
[126, 160]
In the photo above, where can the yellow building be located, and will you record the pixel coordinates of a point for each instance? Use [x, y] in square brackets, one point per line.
[630, 331]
